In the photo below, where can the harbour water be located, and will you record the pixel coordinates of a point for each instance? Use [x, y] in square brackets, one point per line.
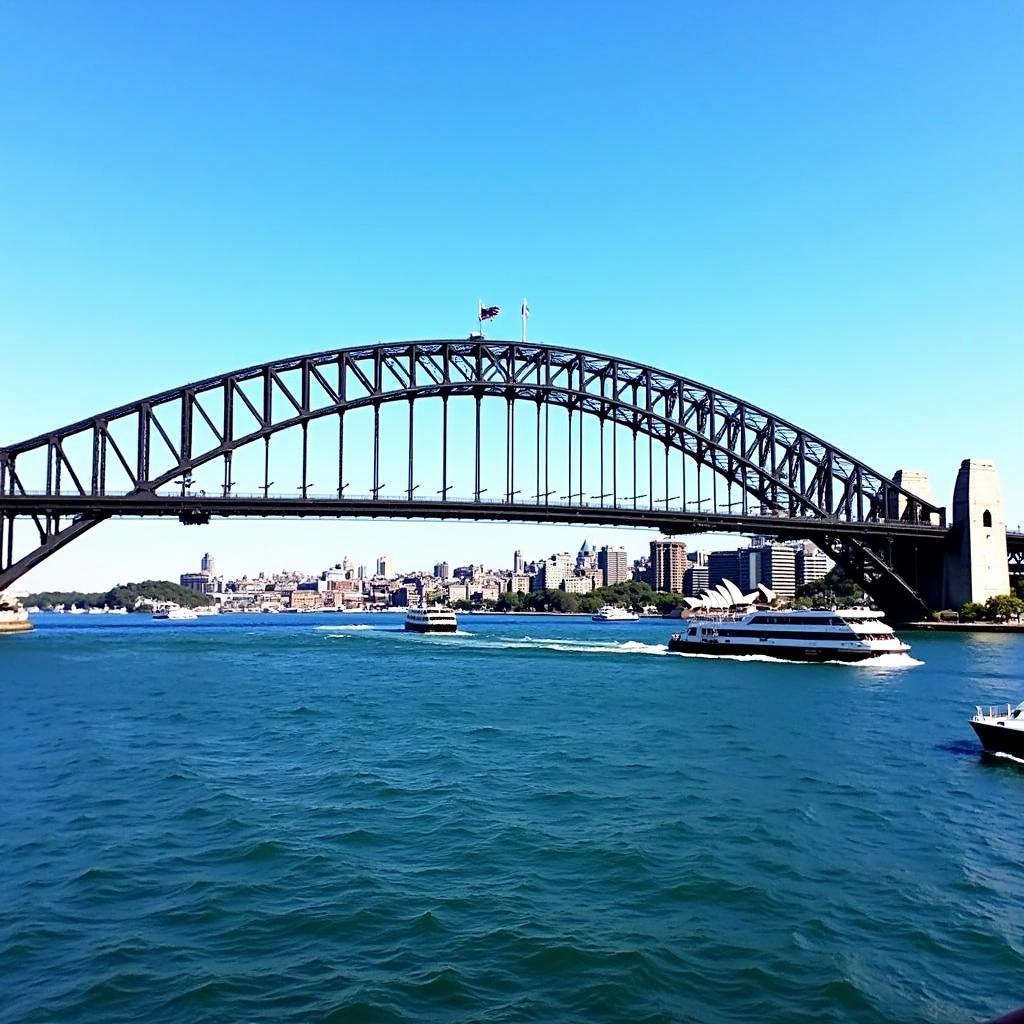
[322, 818]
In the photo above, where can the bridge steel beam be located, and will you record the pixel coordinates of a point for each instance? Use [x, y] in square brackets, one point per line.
[800, 484]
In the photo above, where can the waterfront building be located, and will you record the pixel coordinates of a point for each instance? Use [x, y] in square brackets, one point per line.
[668, 565]
[723, 565]
[812, 564]
[553, 572]
[303, 600]
[485, 592]
[777, 569]
[518, 562]
[385, 567]
[442, 570]
[456, 592]
[695, 579]
[613, 564]
[519, 583]
[204, 581]
[578, 583]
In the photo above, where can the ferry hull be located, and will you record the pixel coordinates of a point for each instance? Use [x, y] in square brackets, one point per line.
[999, 739]
[783, 653]
[416, 627]
[16, 627]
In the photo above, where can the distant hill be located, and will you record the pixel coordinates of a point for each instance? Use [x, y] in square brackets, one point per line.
[124, 595]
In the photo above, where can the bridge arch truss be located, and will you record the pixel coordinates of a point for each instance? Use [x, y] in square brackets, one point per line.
[747, 469]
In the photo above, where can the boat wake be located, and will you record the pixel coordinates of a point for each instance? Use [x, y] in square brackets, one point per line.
[883, 661]
[576, 646]
[890, 661]
[565, 645]
[1008, 757]
[349, 628]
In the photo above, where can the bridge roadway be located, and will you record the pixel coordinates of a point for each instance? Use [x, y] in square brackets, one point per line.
[193, 508]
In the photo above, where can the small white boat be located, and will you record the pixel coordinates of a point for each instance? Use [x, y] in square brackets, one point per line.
[612, 613]
[175, 613]
[431, 620]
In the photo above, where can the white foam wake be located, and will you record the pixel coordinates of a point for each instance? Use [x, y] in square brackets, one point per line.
[1009, 757]
[345, 625]
[883, 661]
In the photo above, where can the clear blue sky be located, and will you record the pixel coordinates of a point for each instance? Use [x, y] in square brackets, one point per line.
[815, 206]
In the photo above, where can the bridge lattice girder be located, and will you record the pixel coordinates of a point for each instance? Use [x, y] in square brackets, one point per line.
[780, 470]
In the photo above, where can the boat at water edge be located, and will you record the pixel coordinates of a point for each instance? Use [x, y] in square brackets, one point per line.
[13, 618]
[431, 620]
[175, 613]
[613, 613]
[1000, 729]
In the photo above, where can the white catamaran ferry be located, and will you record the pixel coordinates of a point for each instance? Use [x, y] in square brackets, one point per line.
[431, 620]
[613, 613]
[724, 621]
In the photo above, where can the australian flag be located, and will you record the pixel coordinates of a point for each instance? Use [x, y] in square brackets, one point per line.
[488, 312]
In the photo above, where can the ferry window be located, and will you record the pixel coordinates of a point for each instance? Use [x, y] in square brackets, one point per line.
[986, 518]
[691, 632]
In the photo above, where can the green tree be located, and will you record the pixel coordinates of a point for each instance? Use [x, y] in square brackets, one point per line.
[972, 612]
[124, 595]
[835, 587]
[1004, 606]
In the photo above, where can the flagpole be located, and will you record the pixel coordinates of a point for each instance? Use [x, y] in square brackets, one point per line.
[523, 312]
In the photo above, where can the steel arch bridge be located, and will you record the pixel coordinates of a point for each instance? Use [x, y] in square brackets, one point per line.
[737, 467]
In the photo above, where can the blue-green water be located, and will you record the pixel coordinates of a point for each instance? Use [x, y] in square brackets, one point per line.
[321, 818]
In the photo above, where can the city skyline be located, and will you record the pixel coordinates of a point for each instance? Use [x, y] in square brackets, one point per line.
[249, 559]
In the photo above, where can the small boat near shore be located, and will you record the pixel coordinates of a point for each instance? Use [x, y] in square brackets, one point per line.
[613, 613]
[175, 613]
[1000, 728]
[14, 618]
[431, 620]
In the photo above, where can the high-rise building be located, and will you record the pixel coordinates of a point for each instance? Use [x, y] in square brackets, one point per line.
[553, 572]
[748, 568]
[695, 579]
[668, 565]
[778, 568]
[442, 570]
[723, 565]
[385, 566]
[518, 562]
[613, 565]
[812, 564]
[206, 565]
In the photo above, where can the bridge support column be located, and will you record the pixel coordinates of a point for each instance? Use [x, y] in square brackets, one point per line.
[976, 560]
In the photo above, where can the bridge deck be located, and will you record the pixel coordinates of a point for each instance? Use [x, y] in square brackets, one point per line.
[197, 508]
